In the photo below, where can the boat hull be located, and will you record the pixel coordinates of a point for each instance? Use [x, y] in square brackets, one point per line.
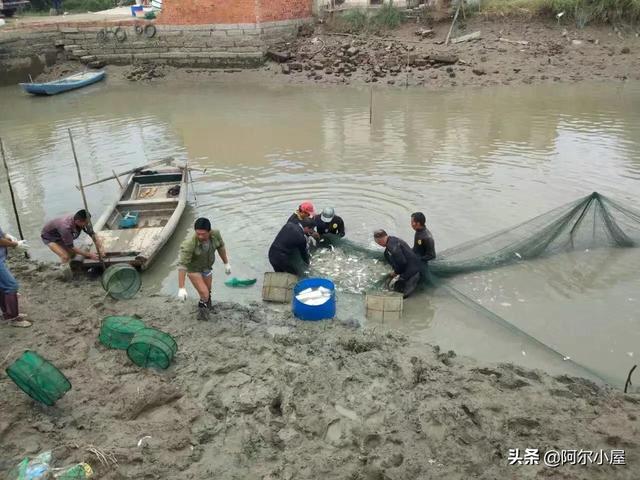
[66, 84]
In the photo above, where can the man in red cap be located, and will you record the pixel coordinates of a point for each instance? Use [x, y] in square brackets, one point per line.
[305, 210]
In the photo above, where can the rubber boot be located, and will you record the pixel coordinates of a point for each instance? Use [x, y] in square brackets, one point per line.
[11, 307]
[203, 311]
[2, 305]
[209, 304]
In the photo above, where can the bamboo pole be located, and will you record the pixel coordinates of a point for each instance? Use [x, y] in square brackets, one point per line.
[370, 104]
[84, 199]
[455, 17]
[13, 199]
[117, 179]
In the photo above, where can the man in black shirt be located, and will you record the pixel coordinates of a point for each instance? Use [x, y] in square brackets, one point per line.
[423, 244]
[329, 222]
[292, 237]
[405, 263]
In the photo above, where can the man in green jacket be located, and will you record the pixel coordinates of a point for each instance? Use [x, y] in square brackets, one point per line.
[197, 255]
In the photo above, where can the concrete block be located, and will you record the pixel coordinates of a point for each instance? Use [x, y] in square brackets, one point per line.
[235, 33]
[165, 34]
[88, 58]
[79, 53]
[146, 56]
[245, 50]
[69, 48]
[221, 43]
[248, 42]
[228, 26]
[68, 30]
[116, 59]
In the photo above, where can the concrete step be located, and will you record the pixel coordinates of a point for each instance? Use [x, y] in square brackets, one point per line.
[88, 58]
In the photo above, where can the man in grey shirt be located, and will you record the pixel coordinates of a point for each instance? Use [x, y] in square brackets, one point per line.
[59, 234]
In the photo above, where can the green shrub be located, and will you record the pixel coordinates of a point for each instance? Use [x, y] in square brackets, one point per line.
[359, 20]
[388, 16]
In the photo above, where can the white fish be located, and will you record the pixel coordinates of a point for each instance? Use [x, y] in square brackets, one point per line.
[524, 354]
[518, 255]
[505, 304]
[566, 358]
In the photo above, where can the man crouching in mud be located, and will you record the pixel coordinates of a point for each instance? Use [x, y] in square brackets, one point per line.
[197, 255]
[59, 234]
[406, 264]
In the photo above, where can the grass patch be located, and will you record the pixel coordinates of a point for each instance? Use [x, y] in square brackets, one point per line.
[87, 5]
[582, 12]
[388, 17]
[75, 6]
[360, 20]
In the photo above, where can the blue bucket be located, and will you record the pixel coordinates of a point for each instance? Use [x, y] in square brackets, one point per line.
[314, 312]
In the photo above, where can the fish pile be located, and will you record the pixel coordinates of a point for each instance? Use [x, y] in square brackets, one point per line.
[352, 272]
[314, 296]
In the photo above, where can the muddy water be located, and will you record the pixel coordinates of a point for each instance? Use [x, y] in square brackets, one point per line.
[475, 161]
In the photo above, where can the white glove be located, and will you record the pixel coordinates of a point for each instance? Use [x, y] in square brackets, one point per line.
[182, 294]
[227, 268]
[22, 244]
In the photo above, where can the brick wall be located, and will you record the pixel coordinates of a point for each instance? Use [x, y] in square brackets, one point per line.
[199, 12]
[274, 10]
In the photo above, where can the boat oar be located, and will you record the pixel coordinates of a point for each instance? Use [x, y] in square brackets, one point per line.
[84, 200]
[13, 200]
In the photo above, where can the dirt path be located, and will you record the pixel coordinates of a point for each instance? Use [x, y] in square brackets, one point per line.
[256, 394]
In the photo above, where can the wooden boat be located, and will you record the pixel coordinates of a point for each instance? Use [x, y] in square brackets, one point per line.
[139, 223]
[71, 82]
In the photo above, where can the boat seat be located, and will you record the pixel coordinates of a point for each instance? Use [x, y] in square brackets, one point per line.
[147, 201]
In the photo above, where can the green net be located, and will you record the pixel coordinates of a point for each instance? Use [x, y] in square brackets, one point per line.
[588, 223]
[121, 281]
[150, 347]
[38, 378]
[594, 224]
[117, 332]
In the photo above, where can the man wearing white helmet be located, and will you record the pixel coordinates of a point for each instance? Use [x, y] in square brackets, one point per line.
[329, 222]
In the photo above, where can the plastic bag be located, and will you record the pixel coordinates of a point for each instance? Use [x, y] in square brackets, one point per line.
[75, 472]
[37, 468]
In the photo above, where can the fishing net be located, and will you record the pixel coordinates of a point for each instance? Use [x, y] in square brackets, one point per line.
[150, 347]
[594, 224]
[588, 223]
[38, 378]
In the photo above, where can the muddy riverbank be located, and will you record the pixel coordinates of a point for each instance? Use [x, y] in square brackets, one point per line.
[254, 393]
[510, 51]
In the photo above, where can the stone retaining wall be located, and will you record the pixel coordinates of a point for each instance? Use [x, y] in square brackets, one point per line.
[214, 46]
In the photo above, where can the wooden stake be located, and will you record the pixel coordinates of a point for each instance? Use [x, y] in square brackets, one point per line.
[455, 17]
[13, 200]
[370, 104]
[628, 383]
[84, 199]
